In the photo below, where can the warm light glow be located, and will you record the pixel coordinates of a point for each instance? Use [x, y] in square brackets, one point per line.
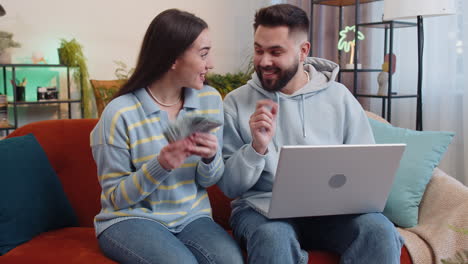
[345, 45]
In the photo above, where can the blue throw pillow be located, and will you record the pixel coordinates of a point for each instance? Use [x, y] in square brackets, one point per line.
[424, 149]
[32, 200]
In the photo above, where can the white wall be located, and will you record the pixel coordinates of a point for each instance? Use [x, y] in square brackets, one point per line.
[112, 30]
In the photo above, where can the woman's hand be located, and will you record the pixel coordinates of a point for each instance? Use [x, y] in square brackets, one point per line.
[173, 155]
[204, 145]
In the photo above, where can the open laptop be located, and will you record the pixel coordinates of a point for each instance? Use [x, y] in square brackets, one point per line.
[331, 180]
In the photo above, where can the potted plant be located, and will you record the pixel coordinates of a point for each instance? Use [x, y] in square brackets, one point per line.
[225, 83]
[6, 42]
[122, 72]
[71, 54]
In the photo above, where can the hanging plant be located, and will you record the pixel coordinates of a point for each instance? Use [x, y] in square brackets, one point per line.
[71, 54]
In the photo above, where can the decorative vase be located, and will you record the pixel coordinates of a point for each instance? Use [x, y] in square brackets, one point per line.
[60, 56]
[382, 80]
[5, 57]
[20, 93]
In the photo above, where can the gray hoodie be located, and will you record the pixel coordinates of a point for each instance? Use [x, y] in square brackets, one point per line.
[323, 112]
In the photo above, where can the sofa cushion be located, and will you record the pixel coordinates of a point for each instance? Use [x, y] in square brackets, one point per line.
[104, 91]
[424, 149]
[32, 200]
[73, 245]
[221, 206]
[66, 143]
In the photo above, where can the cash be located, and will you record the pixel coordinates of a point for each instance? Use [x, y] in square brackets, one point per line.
[185, 126]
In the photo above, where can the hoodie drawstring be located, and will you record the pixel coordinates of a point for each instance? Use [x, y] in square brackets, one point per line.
[303, 116]
[275, 141]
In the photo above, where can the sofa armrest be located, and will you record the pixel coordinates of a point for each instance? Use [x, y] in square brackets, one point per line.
[443, 208]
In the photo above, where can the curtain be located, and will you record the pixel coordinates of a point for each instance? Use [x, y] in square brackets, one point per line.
[445, 88]
[463, 82]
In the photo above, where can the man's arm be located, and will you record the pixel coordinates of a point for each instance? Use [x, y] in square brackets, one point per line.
[243, 164]
[358, 130]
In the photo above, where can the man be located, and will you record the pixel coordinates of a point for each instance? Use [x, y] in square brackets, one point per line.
[294, 100]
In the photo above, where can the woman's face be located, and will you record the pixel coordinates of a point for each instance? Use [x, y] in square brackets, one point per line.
[191, 68]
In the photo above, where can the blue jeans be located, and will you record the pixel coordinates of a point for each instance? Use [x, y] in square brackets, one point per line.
[364, 238]
[145, 241]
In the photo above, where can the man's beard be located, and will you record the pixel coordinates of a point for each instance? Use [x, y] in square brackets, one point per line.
[284, 76]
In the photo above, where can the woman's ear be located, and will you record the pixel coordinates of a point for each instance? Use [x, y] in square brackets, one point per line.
[174, 65]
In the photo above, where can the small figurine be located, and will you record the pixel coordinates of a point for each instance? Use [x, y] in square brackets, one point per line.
[38, 57]
[382, 79]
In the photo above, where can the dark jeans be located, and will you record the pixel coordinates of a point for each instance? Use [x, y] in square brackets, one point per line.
[364, 238]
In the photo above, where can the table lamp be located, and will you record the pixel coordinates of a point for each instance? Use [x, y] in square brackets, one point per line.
[404, 9]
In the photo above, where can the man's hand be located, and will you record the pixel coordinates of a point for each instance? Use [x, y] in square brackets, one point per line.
[263, 125]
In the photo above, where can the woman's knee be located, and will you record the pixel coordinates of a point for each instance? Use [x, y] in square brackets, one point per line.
[220, 252]
[147, 251]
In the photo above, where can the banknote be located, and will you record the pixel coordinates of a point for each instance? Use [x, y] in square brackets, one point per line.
[184, 127]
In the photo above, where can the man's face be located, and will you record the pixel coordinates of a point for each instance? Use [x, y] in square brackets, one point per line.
[276, 57]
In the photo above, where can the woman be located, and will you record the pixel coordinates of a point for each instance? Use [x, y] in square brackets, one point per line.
[155, 207]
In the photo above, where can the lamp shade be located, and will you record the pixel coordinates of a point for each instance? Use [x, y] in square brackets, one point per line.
[403, 9]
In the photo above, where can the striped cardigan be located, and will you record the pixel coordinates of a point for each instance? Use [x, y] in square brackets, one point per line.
[125, 144]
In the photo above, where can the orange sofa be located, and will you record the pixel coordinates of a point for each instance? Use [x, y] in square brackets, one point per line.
[66, 143]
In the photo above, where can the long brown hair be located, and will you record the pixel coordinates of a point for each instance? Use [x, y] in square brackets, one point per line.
[168, 36]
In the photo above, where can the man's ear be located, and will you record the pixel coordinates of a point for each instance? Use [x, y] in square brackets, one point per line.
[304, 50]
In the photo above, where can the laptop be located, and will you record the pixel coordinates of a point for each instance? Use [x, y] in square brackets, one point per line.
[330, 180]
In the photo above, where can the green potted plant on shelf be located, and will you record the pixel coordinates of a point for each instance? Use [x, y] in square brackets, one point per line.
[71, 54]
[225, 83]
[6, 42]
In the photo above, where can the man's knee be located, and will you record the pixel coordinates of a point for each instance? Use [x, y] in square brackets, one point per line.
[275, 232]
[377, 228]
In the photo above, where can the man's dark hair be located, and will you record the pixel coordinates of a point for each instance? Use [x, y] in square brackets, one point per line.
[168, 36]
[287, 15]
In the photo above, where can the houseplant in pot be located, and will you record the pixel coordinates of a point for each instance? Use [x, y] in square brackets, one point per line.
[6, 42]
[225, 83]
[71, 54]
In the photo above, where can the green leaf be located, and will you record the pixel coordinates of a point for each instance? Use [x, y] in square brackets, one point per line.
[71, 54]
